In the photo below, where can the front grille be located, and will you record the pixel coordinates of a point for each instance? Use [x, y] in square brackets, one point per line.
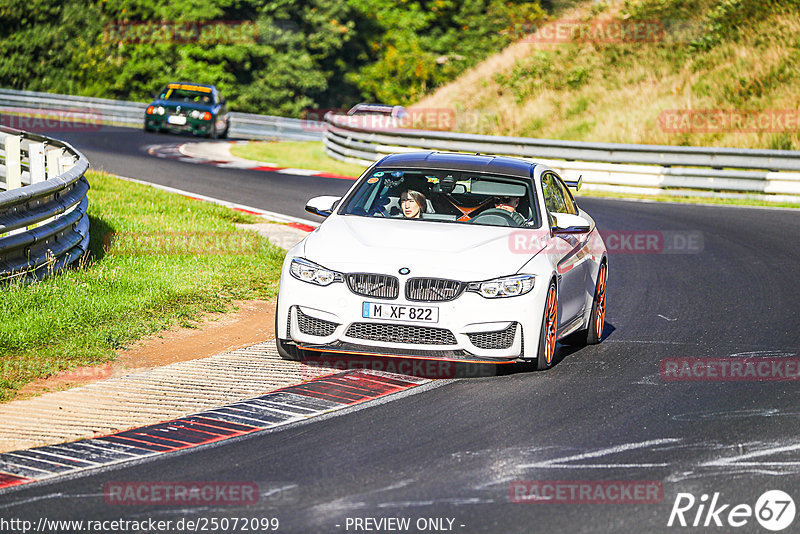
[379, 286]
[313, 326]
[401, 333]
[433, 289]
[502, 339]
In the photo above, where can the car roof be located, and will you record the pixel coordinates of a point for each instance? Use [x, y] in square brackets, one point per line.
[193, 83]
[460, 162]
[189, 85]
[373, 108]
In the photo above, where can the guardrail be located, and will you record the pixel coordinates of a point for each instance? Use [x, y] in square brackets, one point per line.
[770, 175]
[44, 226]
[50, 106]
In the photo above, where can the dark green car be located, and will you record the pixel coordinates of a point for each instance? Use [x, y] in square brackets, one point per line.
[188, 107]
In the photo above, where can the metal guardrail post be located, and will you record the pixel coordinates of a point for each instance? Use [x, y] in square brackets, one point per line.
[36, 162]
[13, 162]
[51, 160]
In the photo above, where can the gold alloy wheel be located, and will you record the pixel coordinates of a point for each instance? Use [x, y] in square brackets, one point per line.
[551, 326]
[600, 302]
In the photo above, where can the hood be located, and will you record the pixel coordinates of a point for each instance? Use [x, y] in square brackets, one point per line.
[437, 249]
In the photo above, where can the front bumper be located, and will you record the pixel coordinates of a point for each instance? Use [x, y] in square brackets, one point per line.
[472, 328]
[194, 126]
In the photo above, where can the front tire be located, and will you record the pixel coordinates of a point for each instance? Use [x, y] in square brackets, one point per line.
[547, 336]
[212, 132]
[597, 318]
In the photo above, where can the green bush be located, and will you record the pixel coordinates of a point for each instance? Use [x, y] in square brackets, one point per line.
[276, 57]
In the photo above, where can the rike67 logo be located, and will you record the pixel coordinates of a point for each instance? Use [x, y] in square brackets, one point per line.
[774, 510]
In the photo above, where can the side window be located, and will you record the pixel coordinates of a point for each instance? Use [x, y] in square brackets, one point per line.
[549, 189]
[569, 202]
[553, 194]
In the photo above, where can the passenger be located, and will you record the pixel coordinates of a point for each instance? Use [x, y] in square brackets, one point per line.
[413, 204]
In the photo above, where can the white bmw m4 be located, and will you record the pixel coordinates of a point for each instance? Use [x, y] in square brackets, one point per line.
[469, 258]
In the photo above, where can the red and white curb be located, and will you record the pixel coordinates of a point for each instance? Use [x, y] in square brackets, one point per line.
[199, 154]
[277, 408]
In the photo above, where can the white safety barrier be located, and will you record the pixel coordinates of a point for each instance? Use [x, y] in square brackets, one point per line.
[771, 175]
[44, 226]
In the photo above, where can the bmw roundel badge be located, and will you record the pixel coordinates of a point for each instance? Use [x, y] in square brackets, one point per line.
[404, 270]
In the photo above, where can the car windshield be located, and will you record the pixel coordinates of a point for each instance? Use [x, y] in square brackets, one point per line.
[444, 196]
[176, 94]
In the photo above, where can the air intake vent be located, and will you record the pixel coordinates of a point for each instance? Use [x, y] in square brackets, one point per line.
[313, 326]
[502, 339]
[400, 333]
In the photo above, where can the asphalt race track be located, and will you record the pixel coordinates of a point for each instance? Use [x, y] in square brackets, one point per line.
[123, 151]
[459, 451]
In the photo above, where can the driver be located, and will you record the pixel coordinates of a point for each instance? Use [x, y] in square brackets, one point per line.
[510, 204]
[412, 203]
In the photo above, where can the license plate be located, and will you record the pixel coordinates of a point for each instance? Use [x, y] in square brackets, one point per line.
[175, 119]
[399, 312]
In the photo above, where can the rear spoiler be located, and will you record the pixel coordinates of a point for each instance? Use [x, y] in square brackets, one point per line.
[575, 184]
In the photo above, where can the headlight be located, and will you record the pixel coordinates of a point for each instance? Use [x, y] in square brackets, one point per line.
[509, 286]
[313, 274]
[195, 114]
[160, 110]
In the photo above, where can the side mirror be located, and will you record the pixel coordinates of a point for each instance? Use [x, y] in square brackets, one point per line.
[322, 206]
[153, 95]
[565, 223]
[575, 184]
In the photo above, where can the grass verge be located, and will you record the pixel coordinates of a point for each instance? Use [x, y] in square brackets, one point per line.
[716, 74]
[297, 154]
[170, 260]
